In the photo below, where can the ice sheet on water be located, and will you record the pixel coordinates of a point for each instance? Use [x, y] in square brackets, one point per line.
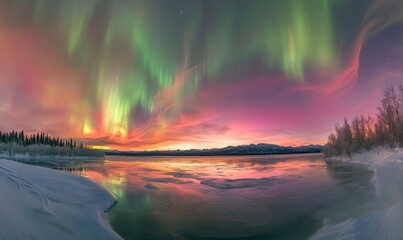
[167, 180]
[239, 183]
[150, 186]
[182, 175]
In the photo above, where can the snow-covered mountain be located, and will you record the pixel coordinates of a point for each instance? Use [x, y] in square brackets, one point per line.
[251, 149]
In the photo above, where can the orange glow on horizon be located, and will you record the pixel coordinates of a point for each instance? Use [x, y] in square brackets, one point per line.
[125, 146]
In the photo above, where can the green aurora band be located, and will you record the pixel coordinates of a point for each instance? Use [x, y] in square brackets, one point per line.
[133, 52]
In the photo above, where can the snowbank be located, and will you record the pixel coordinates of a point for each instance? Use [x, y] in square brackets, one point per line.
[41, 203]
[376, 157]
[384, 219]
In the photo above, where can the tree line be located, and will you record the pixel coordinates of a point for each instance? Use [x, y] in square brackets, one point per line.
[38, 138]
[366, 133]
[43, 144]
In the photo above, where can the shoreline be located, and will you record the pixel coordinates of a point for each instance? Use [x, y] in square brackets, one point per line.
[18, 157]
[375, 157]
[68, 205]
[381, 219]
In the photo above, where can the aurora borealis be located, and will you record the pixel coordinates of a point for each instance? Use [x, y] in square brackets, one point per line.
[195, 74]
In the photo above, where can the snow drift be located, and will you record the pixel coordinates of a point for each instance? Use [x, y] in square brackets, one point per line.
[383, 219]
[41, 203]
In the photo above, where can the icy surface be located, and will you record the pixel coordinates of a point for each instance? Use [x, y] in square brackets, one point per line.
[383, 220]
[167, 180]
[41, 203]
[150, 186]
[238, 183]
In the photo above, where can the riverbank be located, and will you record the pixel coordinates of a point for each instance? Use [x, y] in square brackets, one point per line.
[377, 156]
[41, 203]
[26, 157]
[380, 220]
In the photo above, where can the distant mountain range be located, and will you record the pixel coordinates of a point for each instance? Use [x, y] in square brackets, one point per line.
[252, 149]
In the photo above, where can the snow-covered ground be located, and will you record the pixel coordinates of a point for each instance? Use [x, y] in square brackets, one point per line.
[376, 157]
[382, 220]
[41, 203]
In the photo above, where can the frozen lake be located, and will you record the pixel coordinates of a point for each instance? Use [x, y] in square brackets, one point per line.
[231, 197]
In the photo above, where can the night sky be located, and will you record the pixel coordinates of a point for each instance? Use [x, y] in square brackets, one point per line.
[173, 74]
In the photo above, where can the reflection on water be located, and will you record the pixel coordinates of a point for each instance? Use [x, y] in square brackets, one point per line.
[242, 197]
